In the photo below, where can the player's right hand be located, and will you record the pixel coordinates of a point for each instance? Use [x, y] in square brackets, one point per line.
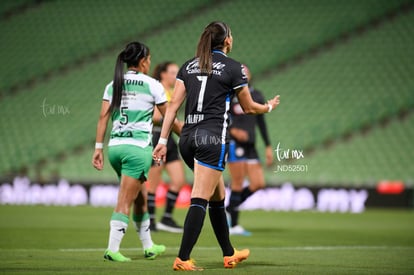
[97, 159]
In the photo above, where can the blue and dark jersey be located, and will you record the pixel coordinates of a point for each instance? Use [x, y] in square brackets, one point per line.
[209, 96]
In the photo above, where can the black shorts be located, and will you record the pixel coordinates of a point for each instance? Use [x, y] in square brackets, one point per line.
[172, 147]
[242, 152]
[204, 147]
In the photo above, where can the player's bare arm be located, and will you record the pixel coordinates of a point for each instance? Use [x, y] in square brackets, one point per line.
[97, 158]
[251, 107]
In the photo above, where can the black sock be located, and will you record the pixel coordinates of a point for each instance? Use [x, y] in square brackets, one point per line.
[221, 230]
[245, 193]
[171, 199]
[233, 208]
[192, 227]
[151, 205]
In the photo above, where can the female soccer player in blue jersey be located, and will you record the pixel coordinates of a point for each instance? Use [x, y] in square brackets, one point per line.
[243, 157]
[208, 82]
[129, 101]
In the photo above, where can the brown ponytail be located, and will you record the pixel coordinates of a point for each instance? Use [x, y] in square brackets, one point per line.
[211, 39]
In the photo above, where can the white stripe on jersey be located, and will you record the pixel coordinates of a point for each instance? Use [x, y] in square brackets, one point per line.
[223, 133]
[130, 141]
[133, 126]
[237, 87]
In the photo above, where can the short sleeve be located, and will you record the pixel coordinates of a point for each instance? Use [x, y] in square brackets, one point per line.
[239, 78]
[158, 93]
[108, 92]
[180, 74]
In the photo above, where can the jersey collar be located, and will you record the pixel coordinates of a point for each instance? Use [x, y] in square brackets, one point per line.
[132, 72]
[220, 52]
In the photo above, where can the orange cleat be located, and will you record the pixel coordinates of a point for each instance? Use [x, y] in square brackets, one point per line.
[185, 265]
[238, 256]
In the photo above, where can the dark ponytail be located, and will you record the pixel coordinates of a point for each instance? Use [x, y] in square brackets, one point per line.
[212, 38]
[132, 55]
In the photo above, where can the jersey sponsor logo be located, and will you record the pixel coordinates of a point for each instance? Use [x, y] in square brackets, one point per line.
[126, 134]
[193, 119]
[134, 82]
[194, 68]
[138, 134]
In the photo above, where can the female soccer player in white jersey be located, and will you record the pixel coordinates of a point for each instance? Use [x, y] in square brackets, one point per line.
[208, 82]
[129, 101]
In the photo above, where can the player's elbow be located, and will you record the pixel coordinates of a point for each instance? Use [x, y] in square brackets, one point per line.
[249, 110]
[103, 117]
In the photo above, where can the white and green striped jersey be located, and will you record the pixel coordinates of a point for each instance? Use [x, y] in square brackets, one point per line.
[132, 123]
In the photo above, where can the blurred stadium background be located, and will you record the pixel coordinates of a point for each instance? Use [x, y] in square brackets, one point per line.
[344, 70]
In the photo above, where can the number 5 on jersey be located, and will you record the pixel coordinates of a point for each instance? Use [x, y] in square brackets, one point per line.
[124, 116]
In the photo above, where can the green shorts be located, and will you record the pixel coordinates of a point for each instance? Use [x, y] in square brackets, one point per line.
[131, 160]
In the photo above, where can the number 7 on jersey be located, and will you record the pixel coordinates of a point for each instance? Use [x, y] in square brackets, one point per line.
[203, 80]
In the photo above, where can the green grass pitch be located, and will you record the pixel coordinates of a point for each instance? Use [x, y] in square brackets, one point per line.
[71, 240]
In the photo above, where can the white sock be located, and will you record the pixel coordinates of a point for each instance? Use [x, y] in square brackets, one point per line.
[118, 228]
[144, 232]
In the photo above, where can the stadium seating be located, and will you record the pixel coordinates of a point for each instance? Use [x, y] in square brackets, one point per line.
[339, 91]
[60, 32]
[269, 32]
[356, 84]
[8, 6]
